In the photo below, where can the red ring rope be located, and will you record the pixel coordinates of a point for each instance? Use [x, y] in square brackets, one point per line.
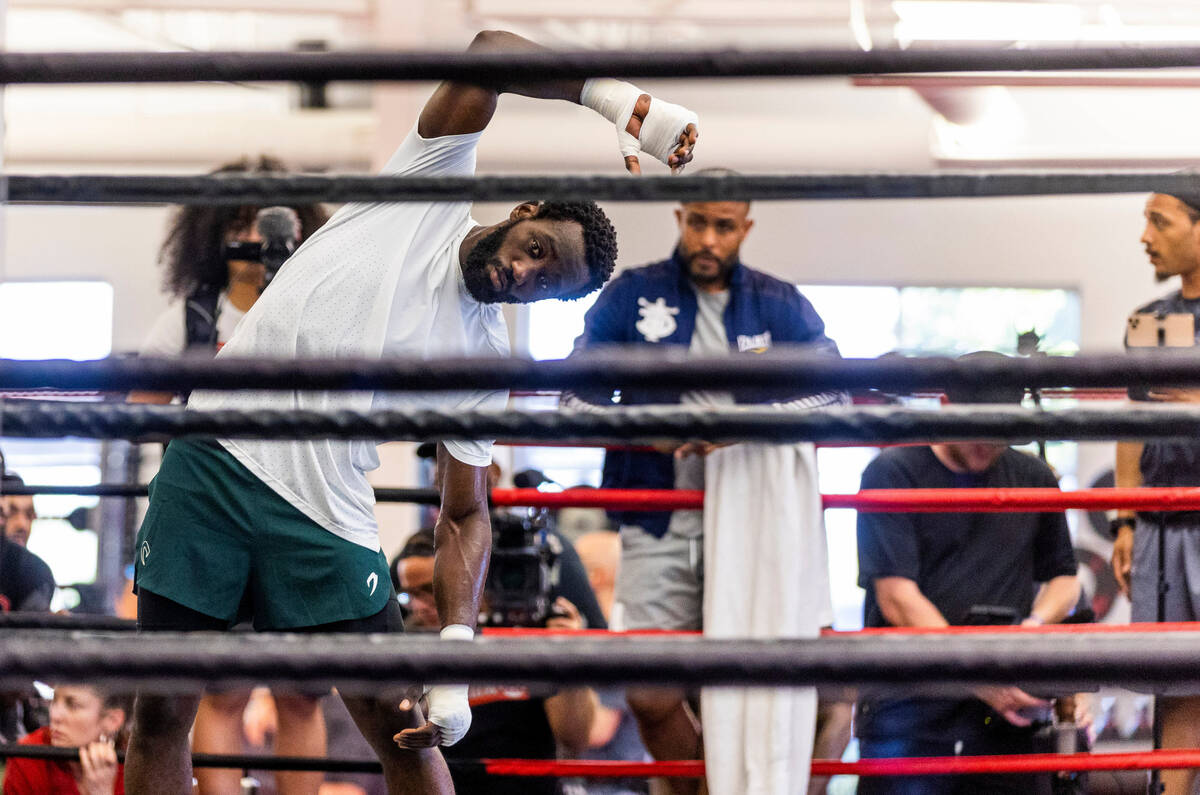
[877, 500]
[1165, 759]
[1047, 629]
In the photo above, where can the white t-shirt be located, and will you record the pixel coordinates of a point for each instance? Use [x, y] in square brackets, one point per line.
[377, 280]
[168, 335]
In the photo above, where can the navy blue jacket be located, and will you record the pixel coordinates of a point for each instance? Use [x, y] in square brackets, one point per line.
[656, 305]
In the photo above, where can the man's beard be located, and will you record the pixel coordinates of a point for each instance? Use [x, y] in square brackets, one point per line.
[724, 268]
[475, 268]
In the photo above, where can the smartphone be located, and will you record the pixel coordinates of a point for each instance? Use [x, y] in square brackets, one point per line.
[1153, 330]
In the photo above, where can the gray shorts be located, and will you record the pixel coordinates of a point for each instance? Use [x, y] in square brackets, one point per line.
[660, 584]
[1181, 573]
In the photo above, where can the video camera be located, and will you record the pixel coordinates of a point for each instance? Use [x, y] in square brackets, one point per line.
[279, 228]
[523, 576]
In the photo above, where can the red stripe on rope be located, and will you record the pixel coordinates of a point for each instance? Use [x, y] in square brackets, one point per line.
[1048, 629]
[594, 768]
[877, 500]
[1165, 759]
[985, 500]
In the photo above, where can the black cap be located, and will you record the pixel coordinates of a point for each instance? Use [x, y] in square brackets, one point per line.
[1189, 195]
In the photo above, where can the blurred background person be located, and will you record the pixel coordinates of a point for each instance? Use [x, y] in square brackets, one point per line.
[87, 717]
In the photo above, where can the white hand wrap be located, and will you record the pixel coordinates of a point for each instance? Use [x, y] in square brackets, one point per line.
[664, 122]
[449, 708]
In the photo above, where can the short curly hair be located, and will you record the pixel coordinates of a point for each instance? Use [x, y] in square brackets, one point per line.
[193, 254]
[599, 240]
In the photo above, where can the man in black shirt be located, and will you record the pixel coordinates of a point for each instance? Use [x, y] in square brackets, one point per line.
[940, 569]
[1172, 242]
[26, 583]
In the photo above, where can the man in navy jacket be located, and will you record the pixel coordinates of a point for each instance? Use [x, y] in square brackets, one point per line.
[702, 298]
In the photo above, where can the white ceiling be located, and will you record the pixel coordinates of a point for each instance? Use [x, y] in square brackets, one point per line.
[905, 123]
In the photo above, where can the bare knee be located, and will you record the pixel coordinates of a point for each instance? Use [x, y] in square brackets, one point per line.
[654, 705]
[295, 708]
[379, 720]
[232, 702]
[164, 716]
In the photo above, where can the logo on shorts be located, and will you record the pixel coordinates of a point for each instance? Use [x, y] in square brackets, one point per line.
[373, 583]
[145, 552]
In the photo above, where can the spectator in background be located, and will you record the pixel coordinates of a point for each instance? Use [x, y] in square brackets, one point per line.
[26, 582]
[945, 569]
[600, 554]
[81, 716]
[614, 735]
[19, 514]
[26, 585]
[704, 301]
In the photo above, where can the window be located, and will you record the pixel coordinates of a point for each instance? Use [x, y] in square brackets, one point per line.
[57, 320]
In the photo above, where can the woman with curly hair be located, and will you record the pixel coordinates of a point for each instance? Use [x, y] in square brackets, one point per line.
[210, 290]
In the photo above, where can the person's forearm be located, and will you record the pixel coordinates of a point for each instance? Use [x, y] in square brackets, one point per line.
[903, 605]
[1128, 473]
[503, 41]
[1056, 599]
[463, 546]
[570, 714]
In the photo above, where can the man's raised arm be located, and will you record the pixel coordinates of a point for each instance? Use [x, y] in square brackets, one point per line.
[644, 123]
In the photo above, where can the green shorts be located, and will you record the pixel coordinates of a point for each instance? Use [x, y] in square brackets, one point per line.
[220, 541]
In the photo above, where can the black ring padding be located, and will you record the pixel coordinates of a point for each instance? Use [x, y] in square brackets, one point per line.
[644, 425]
[173, 661]
[502, 68]
[307, 189]
[615, 368]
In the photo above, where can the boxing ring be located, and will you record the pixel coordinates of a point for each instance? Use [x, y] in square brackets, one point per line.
[1148, 656]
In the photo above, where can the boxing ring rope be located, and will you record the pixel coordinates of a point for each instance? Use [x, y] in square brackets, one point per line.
[542, 65]
[86, 622]
[868, 500]
[638, 425]
[211, 190]
[1163, 759]
[909, 664]
[612, 368]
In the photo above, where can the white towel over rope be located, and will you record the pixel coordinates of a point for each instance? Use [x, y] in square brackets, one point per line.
[766, 575]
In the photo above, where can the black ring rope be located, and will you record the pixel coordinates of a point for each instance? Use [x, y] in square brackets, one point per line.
[506, 67]
[621, 368]
[172, 661]
[79, 622]
[382, 494]
[645, 425]
[235, 761]
[307, 189]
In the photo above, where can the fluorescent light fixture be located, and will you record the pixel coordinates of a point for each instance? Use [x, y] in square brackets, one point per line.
[937, 20]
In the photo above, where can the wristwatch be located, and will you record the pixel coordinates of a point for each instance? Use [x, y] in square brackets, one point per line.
[1114, 527]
